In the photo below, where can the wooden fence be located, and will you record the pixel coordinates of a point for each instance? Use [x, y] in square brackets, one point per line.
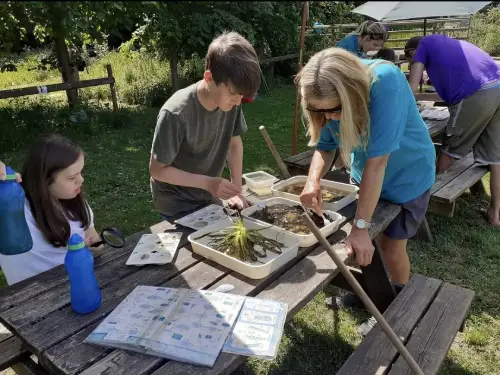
[433, 26]
[34, 90]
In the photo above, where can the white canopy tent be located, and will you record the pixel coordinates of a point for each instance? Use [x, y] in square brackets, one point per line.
[405, 10]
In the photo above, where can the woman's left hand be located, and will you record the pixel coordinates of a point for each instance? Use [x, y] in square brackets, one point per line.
[359, 244]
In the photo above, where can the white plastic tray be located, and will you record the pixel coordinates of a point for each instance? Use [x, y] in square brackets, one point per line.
[306, 240]
[250, 269]
[350, 190]
[204, 217]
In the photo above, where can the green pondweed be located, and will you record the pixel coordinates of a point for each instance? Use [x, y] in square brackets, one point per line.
[243, 243]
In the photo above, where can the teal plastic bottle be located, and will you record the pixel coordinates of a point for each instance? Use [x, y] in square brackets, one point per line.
[79, 263]
[15, 236]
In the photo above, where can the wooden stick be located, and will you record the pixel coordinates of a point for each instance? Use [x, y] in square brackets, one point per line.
[112, 87]
[277, 156]
[364, 297]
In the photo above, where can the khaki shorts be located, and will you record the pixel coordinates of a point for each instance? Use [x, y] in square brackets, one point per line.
[474, 124]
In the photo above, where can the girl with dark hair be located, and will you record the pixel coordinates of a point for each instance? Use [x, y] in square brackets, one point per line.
[55, 206]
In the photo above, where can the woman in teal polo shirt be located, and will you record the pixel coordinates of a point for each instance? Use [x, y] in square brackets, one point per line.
[369, 36]
[367, 108]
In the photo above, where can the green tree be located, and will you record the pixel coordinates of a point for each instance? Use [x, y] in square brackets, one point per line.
[176, 30]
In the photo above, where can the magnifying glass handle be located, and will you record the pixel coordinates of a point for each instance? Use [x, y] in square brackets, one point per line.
[97, 244]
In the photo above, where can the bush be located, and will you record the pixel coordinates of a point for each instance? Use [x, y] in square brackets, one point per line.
[140, 78]
[486, 31]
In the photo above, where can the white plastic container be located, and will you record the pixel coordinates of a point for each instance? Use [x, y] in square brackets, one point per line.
[259, 182]
[306, 240]
[350, 190]
[249, 269]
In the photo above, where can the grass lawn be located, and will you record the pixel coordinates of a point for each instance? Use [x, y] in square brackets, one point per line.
[465, 252]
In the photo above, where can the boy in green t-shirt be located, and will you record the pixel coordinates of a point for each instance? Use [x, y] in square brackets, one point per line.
[198, 129]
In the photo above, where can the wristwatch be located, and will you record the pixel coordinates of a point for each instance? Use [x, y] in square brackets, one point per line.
[361, 224]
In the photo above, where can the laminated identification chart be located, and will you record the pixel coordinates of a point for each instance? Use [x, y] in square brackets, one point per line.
[258, 330]
[192, 326]
[181, 324]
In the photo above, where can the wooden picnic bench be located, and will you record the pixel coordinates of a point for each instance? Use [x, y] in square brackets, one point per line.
[37, 311]
[462, 175]
[426, 315]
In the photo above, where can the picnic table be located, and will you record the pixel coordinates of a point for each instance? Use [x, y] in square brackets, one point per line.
[38, 314]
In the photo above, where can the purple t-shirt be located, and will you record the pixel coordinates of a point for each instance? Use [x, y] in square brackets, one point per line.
[456, 68]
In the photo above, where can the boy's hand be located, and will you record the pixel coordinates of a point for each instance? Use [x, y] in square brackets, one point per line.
[222, 188]
[3, 173]
[239, 202]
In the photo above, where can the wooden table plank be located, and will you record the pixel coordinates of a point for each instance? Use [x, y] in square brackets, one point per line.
[432, 339]
[376, 351]
[63, 323]
[293, 159]
[455, 188]
[456, 169]
[11, 351]
[72, 355]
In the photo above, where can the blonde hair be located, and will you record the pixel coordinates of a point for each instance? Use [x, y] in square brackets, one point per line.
[375, 30]
[337, 75]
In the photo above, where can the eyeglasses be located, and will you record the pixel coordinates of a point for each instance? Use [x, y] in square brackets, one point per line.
[334, 111]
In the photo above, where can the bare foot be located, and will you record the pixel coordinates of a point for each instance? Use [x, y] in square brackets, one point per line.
[493, 217]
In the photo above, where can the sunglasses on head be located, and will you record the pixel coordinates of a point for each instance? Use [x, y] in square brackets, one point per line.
[335, 110]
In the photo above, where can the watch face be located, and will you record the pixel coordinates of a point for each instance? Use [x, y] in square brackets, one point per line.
[361, 224]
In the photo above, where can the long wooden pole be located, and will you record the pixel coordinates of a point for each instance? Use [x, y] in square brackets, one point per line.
[275, 153]
[364, 297]
[305, 16]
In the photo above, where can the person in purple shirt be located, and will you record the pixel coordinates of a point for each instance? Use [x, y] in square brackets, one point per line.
[468, 80]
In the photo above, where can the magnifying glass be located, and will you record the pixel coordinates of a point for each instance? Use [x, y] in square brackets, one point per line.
[111, 237]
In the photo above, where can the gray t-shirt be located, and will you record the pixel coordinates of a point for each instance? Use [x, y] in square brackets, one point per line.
[190, 138]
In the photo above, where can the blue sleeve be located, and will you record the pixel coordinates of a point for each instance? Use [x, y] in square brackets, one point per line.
[388, 111]
[327, 140]
[346, 44]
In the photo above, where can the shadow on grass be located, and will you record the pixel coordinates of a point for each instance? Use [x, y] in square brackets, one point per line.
[309, 352]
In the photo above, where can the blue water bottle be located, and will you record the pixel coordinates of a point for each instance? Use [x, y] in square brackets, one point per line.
[79, 264]
[15, 236]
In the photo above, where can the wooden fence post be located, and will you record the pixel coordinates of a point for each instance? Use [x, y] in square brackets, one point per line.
[112, 88]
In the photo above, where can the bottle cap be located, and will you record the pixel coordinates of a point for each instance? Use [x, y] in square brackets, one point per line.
[10, 174]
[76, 242]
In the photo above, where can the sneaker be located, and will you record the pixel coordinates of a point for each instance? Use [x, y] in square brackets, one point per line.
[347, 300]
[367, 326]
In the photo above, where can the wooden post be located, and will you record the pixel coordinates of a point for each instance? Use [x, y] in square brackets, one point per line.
[305, 16]
[112, 88]
[425, 32]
